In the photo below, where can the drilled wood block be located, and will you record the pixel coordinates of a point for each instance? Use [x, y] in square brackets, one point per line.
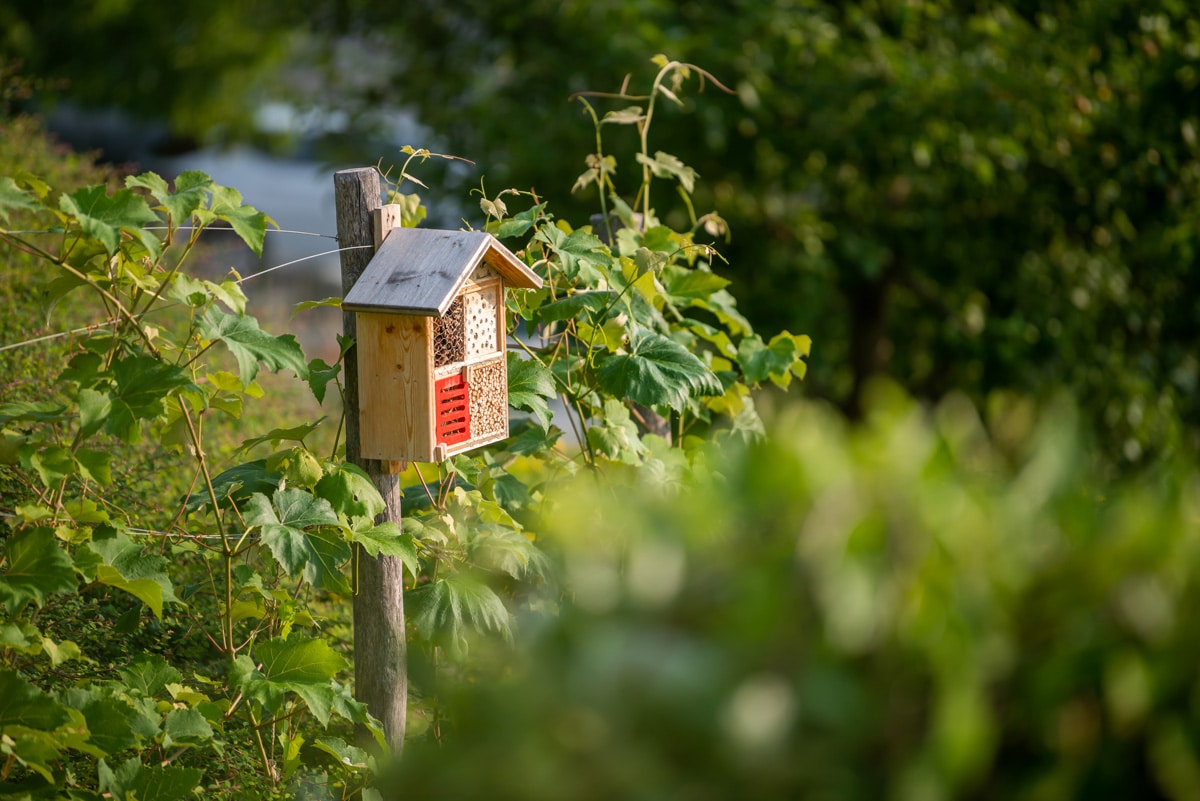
[489, 398]
[479, 322]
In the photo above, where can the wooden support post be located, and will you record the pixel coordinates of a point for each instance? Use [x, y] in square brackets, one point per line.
[380, 658]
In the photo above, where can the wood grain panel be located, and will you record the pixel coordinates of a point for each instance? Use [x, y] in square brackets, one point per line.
[395, 373]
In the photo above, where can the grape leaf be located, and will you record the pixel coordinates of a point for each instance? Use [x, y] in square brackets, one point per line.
[572, 305]
[22, 704]
[134, 569]
[149, 674]
[185, 727]
[283, 520]
[387, 539]
[247, 222]
[445, 608]
[664, 165]
[110, 724]
[778, 360]
[36, 568]
[132, 780]
[250, 344]
[140, 386]
[351, 492]
[191, 191]
[656, 371]
[103, 216]
[36, 411]
[299, 659]
[529, 386]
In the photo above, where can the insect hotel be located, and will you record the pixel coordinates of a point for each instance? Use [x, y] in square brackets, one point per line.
[433, 378]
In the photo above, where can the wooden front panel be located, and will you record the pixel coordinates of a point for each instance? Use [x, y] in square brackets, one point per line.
[395, 387]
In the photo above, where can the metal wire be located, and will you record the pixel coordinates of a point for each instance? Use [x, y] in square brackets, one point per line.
[243, 279]
[302, 258]
[148, 532]
[179, 228]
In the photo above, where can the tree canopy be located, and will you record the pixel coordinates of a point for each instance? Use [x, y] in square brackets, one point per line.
[999, 197]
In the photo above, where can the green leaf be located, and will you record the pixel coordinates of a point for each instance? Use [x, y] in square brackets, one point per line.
[230, 293]
[348, 755]
[334, 301]
[278, 435]
[60, 652]
[299, 467]
[283, 520]
[20, 636]
[529, 386]
[656, 371]
[664, 165]
[22, 704]
[684, 285]
[388, 540]
[626, 116]
[319, 376]
[446, 608]
[14, 198]
[94, 465]
[35, 569]
[351, 492]
[570, 306]
[33, 749]
[237, 484]
[250, 344]
[148, 592]
[103, 216]
[724, 306]
[327, 553]
[149, 674]
[247, 222]
[618, 437]
[140, 386]
[581, 253]
[34, 411]
[111, 724]
[52, 464]
[520, 223]
[133, 568]
[185, 727]
[778, 360]
[509, 551]
[299, 659]
[191, 191]
[133, 781]
[94, 408]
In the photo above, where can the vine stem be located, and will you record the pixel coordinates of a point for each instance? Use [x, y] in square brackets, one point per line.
[262, 748]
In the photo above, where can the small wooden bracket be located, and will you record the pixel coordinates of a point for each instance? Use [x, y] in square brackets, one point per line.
[394, 467]
[468, 373]
[385, 219]
[440, 453]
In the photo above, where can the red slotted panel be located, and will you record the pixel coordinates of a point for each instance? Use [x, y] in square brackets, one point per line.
[453, 412]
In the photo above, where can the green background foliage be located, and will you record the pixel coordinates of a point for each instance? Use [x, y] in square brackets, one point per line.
[987, 196]
[970, 586]
[932, 604]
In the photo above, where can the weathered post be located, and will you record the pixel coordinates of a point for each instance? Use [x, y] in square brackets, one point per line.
[380, 658]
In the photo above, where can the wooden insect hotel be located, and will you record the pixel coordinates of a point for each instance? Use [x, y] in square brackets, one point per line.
[433, 378]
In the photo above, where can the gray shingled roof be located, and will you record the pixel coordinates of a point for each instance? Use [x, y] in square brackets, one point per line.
[420, 270]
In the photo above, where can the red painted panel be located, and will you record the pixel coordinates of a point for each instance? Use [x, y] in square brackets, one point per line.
[453, 410]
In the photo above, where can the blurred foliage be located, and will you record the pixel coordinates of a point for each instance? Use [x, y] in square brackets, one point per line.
[991, 195]
[983, 196]
[201, 67]
[932, 605]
